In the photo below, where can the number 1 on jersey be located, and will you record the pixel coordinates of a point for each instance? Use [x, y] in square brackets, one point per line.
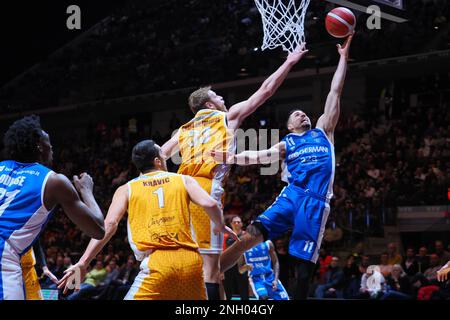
[160, 194]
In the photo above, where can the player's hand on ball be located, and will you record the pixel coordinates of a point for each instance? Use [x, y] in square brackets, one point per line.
[298, 53]
[345, 48]
[84, 182]
[274, 285]
[49, 274]
[222, 157]
[73, 277]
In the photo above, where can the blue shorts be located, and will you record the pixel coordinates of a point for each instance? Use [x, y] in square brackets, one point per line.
[262, 286]
[304, 213]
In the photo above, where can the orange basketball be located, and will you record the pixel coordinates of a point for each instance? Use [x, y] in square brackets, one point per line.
[340, 22]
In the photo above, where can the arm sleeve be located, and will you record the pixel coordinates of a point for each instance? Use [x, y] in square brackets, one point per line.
[39, 254]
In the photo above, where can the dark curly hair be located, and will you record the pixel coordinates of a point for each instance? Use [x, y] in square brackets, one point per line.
[22, 138]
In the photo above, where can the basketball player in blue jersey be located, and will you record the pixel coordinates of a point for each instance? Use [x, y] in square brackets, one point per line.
[303, 205]
[29, 193]
[263, 268]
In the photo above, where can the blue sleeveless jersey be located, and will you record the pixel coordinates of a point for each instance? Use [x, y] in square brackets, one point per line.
[259, 258]
[309, 162]
[22, 210]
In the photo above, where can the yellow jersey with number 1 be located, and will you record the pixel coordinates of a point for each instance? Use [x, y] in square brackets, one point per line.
[158, 213]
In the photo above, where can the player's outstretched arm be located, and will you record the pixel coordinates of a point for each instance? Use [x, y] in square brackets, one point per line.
[85, 214]
[169, 148]
[275, 265]
[249, 157]
[200, 197]
[117, 209]
[243, 109]
[330, 116]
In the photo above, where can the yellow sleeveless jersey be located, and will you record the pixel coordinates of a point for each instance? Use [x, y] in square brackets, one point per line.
[158, 213]
[205, 132]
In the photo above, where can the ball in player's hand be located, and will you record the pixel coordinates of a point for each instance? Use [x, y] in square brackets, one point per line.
[340, 22]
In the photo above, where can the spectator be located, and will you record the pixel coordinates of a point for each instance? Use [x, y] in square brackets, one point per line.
[435, 265]
[423, 261]
[443, 254]
[373, 284]
[398, 285]
[429, 276]
[323, 263]
[410, 264]
[235, 282]
[394, 257]
[385, 267]
[352, 277]
[333, 286]
[113, 273]
[120, 286]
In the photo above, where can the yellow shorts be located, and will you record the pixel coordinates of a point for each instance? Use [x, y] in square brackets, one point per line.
[208, 242]
[169, 274]
[31, 281]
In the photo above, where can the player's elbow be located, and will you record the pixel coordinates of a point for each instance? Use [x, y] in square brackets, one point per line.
[110, 227]
[266, 93]
[98, 232]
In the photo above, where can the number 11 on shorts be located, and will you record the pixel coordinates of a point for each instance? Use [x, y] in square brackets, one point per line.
[308, 246]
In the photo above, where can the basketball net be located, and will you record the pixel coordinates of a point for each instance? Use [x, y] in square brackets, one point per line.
[283, 23]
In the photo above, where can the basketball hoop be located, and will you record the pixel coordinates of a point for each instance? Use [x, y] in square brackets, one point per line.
[283, 23]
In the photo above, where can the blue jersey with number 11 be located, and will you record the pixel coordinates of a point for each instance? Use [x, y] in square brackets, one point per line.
[310, 162]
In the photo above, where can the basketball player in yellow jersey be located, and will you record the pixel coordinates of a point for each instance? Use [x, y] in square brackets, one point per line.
[159, 229]
[212, 128]
[30, 277]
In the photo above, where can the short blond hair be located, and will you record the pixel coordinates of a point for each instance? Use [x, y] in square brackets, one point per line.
[198, 98]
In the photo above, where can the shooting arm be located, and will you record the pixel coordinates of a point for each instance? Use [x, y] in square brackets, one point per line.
[330, 116]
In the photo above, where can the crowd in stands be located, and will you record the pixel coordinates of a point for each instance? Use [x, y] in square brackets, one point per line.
[141, 48]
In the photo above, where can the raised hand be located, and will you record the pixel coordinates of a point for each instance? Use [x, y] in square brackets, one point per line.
[345, 48]
[83, 183]
[298, 53]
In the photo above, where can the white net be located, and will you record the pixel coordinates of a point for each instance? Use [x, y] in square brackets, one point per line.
[283, 23]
